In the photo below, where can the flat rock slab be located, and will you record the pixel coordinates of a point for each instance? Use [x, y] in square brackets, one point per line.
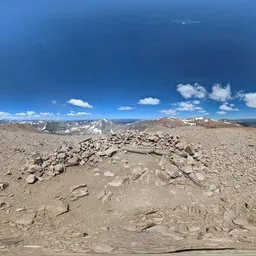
[56, 208]
[80, 190]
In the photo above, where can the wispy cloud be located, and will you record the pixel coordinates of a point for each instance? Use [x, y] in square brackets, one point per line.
[27, 113]
[73, 113]
[79, 103]
[228, 107]
[192, 91]
[220, 93]
[54, 102]
[149, 101]
[168, 112]
[125, 108]
[221, 113]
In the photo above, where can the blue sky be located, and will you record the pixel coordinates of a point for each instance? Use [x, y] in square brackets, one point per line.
[77, 59]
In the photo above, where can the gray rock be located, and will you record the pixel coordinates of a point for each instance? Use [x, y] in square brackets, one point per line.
[109, 174]
[190, 150]
[3, 185]
[163, 176]
[26, 219]
[61, 156]
[79, 191]
[180, 145]
[111, 151]
[200, 176]
[118, 181]
[172, 170]
[137, 172]
[73, 161]
[59, 168]
[31, 179]
[190, 160]
[56, 208]
[34, 168]
[161, 229]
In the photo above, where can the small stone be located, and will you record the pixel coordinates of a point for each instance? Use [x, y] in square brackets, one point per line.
[26, 219]
[57, 208]
[79, 191]
[190, 160]
[161, 229]
[73, 161]
[179, 146]
[189, 149]
[31, 179]
[172, 170]
[34, 168]
[163, 176]
[61, 156]
[111, 151]
[200, 176]
[109, 174]
[59, 168]
[3, 185]
[105, 195]
[137, 172]
[20, 209]
[118, 181]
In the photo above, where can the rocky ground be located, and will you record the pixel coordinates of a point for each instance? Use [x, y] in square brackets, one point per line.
[181, 189]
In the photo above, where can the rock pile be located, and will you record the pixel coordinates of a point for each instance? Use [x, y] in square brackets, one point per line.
[177, 156]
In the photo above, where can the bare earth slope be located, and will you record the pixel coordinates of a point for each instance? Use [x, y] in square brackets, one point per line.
[118, 201]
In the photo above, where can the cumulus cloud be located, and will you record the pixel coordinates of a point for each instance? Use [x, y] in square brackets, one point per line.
[168, 112]
[221, 113]
[250, 99]
[221, 93]
[79, 103]
[192, 91]
[187, 106]
[149, 101]
[73, 113]
[125, 108]
[228, 107]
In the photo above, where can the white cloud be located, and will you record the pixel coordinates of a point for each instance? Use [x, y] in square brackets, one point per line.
[228, 107]
[221, 113]
[46, 114]
[73, 113]
[125, 108]
[54, 102]
[187, 106]
[221, 93]
[28, 113]
[149, 101]
[79, 103]
[192, 91]
[169, 112]
[203, 112]
[4, 115]
[196, 102]
[250, 99]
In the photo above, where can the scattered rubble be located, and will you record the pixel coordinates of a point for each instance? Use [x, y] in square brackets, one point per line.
[177, 154]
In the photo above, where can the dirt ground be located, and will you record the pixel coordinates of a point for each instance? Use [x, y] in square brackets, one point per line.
[142, 216]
